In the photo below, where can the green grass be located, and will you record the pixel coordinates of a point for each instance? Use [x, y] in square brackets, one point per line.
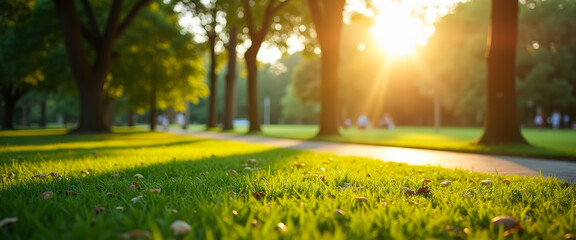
[220, 204]
[546, 143]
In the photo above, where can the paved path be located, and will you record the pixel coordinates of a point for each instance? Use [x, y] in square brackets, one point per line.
[504, 165]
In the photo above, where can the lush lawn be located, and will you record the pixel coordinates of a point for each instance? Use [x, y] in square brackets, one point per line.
[548, 143]
[303, 190]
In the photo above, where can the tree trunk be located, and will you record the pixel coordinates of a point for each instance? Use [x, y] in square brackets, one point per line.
[131, 117]
[153, 89]
[327, 19]
[501, 125]
[11, 94]
[42, 122]
[230, 97]
[25, 114]
[252, 90]
[212, 117]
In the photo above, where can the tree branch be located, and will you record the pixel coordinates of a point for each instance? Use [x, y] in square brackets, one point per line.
[317, 16]
[249, 18]
[89, 36]
[280, 5]
[135, 9]
[91, 19]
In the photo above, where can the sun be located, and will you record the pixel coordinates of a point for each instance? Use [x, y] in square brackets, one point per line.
[397, 31]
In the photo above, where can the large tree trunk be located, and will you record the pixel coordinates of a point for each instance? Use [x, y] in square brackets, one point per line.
[11, 94]
[89, 77]
[252, 89]
[230, 97]
[501, 125]
[153, 89]
[327, 17]
[212, 117]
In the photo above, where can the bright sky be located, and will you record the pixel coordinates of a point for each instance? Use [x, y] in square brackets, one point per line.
[401, 25]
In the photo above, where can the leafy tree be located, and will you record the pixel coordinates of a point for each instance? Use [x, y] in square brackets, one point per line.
[23, 50]
[90, 75]
[327, 18]
[156, 52]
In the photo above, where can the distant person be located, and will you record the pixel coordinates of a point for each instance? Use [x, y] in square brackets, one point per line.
[566, 120]
[362, 121]
[347, 123]
[387, 122]
[540, 119]
[181, 120]
[555, 119]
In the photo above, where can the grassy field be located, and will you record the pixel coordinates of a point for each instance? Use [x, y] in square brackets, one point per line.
[228, 190]
[547, 143]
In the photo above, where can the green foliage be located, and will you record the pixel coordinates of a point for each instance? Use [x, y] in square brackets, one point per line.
[303, 190]
[156, 47]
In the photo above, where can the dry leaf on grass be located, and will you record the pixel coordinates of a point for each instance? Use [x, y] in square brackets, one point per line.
[8, 221]
[445, 184]
[136, 234]
[40, 175]
[281, 227]
[46, 195]
[180, 228]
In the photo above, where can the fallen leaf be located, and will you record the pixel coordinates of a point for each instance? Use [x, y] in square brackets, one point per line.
[425, 180]
[98, 210]
[392, 180]
[339, 212]
[234, 212]
[136, 199]
[259, 195]
[281, 227]
[252, 161]
[110, 195]
[467, 195]
[247, 168]
[413, 202]
[180, 228]
[85, 172]
[254, 223]
[134, 185]
[70, 193]
[570, 236]
[424, 190]
[40, 175]
[507, 223]
[507, 182]
[408, 191]
[486, 182]
[345, 185]
[119, 208]
[46, 195]
[55, 174]
[232, 171]
[359, 188]
[203, 173]
[8, 221]
[138, 175]
[155, 190]
[445, 184]
[362, 199]
[299, 165]
[136, 234]
[368, 175]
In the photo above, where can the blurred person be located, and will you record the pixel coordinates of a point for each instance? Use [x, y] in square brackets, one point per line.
[566, 121]
[555, 119]
[362, 121]
[540, 119]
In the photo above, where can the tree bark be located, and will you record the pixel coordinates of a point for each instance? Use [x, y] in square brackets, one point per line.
[153, 87]
[89, 78]
[131, 117]
[11, 94]
[212, 117]
[327, 17]
[252, 89]
[501, 125]
[230, 97]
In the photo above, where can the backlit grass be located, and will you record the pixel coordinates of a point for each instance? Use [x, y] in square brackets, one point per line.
[301, 189]
[547, 143]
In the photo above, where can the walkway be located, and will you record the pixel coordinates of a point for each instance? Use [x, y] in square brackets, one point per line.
[503, 165]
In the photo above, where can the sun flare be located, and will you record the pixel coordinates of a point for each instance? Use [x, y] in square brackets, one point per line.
[398, 31]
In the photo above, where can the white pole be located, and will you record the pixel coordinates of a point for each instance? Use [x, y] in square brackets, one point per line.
[267, 110]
